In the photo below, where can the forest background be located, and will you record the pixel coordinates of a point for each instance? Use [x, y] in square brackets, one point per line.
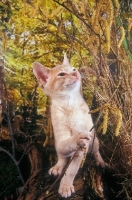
[97, 37]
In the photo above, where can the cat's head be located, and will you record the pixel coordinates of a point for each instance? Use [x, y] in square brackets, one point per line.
[58, 81]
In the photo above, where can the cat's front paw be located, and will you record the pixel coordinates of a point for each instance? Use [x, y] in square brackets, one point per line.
[83, 140]
[56, 170]
[66, 189]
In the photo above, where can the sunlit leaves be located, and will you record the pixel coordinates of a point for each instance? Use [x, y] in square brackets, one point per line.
[42, 30]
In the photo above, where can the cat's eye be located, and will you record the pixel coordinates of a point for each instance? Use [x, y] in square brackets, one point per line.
[74, 69]
[61, 74]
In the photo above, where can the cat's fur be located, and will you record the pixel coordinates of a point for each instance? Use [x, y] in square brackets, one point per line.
[70, 118]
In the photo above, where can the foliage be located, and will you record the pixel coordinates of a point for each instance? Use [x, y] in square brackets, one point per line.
[107, 108]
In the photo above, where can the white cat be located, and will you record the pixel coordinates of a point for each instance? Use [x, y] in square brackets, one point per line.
[70, 119]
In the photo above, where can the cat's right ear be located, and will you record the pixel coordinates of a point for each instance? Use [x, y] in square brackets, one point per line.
[41, 73]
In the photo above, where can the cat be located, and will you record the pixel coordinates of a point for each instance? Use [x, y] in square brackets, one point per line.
[70, 119]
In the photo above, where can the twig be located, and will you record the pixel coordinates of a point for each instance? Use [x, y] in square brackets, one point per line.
[15, 162]
[62, 173]
[77, 15]
[9, 122]
[29, 146]
[82, 44]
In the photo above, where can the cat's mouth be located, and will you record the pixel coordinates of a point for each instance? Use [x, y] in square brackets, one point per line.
[72, 83]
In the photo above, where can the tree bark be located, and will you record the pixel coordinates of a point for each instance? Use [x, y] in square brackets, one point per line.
[90, 183]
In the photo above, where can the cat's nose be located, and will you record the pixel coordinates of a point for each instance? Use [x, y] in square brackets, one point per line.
[74, 74]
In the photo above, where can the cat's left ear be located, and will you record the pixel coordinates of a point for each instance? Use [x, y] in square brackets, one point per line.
[41, 73]
[65, 60]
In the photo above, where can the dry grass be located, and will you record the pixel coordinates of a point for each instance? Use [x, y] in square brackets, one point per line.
[113, 87]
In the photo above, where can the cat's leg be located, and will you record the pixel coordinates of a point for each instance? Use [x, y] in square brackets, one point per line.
[97, 156]
[66, 148]
[66, 185]
[57, 169]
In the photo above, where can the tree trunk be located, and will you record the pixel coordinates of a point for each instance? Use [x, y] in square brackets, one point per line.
[89, 183]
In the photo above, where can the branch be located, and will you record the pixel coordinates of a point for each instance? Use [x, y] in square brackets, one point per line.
[15, 162]
[77, 15]
[82, 44]
[9, 122]
[30, 145]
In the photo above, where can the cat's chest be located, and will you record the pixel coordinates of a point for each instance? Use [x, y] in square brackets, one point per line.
[79, 120]
[74, 118]
[76, 115]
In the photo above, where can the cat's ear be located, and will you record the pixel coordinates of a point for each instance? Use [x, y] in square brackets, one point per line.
[65, 60]
[41, 73]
